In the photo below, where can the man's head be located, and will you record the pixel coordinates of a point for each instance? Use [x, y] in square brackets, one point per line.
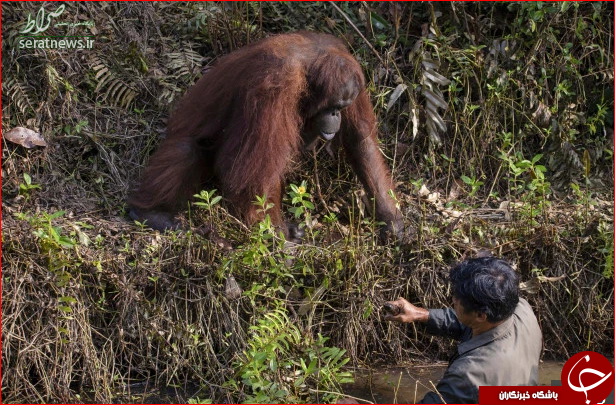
[486, 285]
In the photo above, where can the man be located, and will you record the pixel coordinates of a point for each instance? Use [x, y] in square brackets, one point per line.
[500, 337]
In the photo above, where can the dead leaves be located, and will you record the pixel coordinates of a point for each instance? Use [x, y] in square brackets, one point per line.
[24, 137]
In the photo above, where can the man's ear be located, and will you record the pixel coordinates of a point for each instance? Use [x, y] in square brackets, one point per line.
[481, 316]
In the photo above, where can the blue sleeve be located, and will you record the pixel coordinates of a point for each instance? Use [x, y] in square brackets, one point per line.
[444, 322]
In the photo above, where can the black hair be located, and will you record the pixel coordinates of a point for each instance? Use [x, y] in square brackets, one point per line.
[488, 285]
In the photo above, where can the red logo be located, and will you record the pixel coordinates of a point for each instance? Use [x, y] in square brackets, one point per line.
[587, 378]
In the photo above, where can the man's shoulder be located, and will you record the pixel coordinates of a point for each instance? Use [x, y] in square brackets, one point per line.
[524, 310]
[526, 323]
[523, 303]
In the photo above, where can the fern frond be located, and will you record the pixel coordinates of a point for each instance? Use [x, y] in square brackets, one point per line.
[109, 86]
[20, 93]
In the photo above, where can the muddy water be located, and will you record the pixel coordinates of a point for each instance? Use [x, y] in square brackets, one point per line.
[407, 385]
[400, 385]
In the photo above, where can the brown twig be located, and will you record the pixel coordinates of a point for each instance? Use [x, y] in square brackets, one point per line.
[357, 30]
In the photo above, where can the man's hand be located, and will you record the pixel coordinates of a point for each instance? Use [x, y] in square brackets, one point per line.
[406, 312]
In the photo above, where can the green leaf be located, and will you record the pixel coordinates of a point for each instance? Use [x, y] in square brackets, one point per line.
[467, 180]
[66, 242]
[312, 367]
[67, 300]
[56, 214]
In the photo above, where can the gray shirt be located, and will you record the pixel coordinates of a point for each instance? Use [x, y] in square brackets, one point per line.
[505, 355]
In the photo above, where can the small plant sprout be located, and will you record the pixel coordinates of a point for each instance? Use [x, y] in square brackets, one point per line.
[26, 188]
[302, 205]
[472, 182]
[206, 199]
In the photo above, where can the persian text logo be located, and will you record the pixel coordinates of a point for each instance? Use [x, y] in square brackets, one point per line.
[588, 377]
[42, 22]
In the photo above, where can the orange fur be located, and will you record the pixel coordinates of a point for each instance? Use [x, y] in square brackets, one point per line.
[241, 124]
